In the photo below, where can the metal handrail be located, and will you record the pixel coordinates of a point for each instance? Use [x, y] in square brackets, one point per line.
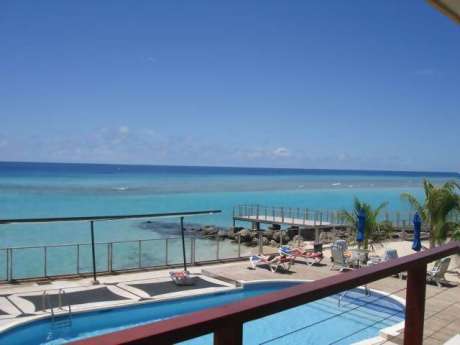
[61, 294]
[399, 218]
[45, 302]
[105, 243]
[110, 217]
[86, 243]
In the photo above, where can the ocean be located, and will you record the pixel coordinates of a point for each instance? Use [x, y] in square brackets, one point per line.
[29, 190]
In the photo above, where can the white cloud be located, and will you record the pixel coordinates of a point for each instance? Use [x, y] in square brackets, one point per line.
[343, 157]
[281, 152]
[123, 129]
[120, 144]
[262, 154]
[150, 132]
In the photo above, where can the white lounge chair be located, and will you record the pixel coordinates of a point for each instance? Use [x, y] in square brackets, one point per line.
[392, 254]
[438, 272]
[339, 260]
[311, 258]
[274, 262]
[342, 244]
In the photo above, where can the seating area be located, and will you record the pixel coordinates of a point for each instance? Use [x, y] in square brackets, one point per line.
[341, 259]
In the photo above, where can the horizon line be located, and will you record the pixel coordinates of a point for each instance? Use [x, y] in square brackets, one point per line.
[451, 173]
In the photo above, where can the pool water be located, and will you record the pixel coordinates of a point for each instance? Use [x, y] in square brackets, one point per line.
[321, 322]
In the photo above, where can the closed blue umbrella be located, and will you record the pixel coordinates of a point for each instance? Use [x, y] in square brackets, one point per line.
[361, 225]
[417, 244]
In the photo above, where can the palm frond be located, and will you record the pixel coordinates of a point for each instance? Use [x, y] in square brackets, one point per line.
[348, 217]
[380, 208]
[437, 211]
[451, 185]
[414, 203]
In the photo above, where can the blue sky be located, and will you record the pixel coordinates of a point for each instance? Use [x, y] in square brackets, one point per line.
[303, 84]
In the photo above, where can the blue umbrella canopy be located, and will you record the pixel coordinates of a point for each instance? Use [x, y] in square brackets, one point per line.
[417, 244]
[361, 225]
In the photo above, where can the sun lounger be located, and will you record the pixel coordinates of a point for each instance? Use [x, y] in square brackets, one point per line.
[256, 260]
[339, 259]
[182, 278]
[274, 262]
[438, 272]
[392, 254]
[341, 244]
[285, 262]
[311, 258]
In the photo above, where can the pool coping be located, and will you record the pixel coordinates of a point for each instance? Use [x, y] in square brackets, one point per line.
[385, 333]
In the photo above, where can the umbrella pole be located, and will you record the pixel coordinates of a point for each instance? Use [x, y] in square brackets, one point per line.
[359, 253]
[183, 242]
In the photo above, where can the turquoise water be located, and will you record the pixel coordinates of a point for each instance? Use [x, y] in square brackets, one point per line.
[358, 318]
[50, 190]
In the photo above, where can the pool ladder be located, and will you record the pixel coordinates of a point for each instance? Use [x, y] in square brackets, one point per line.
[367, 292]
[62, 321]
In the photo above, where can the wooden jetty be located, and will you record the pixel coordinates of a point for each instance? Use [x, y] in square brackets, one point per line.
[305, 219]
[316, 220]
[257, 214]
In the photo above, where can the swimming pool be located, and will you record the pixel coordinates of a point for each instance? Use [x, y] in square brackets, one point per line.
[359, 314]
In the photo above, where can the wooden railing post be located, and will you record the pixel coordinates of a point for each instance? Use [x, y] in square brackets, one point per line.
[415, 305]
[230, 334]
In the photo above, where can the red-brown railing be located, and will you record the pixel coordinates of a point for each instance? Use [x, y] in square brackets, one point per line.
[226, 322]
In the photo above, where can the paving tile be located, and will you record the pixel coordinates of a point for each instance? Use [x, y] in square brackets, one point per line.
[454, 326]
[431, 341]
[442, 335]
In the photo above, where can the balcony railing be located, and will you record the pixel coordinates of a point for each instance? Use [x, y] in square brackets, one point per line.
[226, 322]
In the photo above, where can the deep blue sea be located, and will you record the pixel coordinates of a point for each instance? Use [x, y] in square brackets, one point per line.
[30, 190]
